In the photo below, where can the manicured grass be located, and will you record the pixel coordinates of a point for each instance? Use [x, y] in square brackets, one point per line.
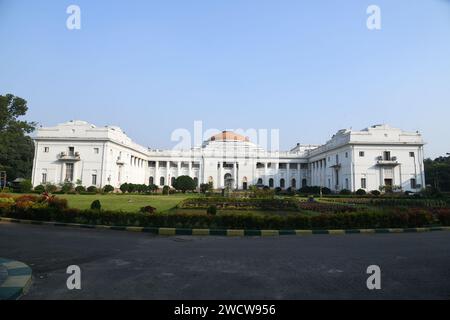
[125, 202]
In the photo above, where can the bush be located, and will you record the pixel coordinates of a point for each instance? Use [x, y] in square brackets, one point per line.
[67, 187]
[365, 220]
[40, 188]
[92, 189]
[51, 188]
[25, 186]
[79, 189]
[375, 193]
[57, 203]
[153, 188]
[166, 190]
[212, 210]
[184, 183]
[108, 188]
[124, 188]
[443, 215]
[345, 192]
[96, 205]
[360, 192]
[148, 209]
[205, 187]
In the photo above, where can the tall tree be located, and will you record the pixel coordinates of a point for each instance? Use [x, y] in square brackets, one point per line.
[437, 173]
[16, 146]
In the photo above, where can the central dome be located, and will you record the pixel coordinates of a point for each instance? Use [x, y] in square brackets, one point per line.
[229, 136]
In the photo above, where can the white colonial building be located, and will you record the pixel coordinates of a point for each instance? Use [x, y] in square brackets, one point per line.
[367, 159]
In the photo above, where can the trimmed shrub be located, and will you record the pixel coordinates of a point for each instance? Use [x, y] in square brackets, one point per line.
[96, 205]
[92, 189]
[67, 187]
[79, 189]
[212, 210]
[223, 221]
[40, 188]
[345, 192]
[108, 188]
[49, 187]
[361, 192]
[375, 193]
[124, 188]
[184, 183]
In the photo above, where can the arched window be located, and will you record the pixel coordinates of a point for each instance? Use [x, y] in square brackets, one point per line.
[228, 179]
[282, 183]
[244, 183]
[196, 181]
[294, 183]
[150, 181]
[271, 183]
[162, 181]
[260, 181]
[172, 181]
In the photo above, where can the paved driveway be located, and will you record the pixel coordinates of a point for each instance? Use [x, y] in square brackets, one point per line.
[122, 265]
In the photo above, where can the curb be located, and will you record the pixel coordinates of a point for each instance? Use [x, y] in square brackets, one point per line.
[228, 232]
[18, 280]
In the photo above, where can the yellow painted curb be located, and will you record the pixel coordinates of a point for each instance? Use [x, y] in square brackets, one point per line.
[235, 233]
[135, 229]
[200, 232]
[167, 231]
[303, 232]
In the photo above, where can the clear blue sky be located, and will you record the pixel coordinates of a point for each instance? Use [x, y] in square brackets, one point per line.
[307, 68]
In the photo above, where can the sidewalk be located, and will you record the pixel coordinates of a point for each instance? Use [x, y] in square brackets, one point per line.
[15, 279]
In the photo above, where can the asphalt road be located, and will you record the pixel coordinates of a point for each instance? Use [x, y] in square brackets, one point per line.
[122, 265]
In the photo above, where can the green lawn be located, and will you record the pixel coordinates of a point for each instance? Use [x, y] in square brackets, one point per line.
[131, 203]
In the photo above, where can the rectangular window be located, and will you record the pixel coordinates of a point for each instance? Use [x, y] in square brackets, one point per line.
[69, 171]
[44, 178]
[46, 149]
[304, 166]
[293, 166]
[413, 183]
[387, 155]
[346, 184]
[361, 154]
[363, 183]
[337, 159]
[71, 151]
[94, 179]
[412, 155]
[96, 150]
[346, 154]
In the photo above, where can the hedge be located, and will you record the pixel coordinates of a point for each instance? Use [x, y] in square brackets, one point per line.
[393, 219]
[240, 203]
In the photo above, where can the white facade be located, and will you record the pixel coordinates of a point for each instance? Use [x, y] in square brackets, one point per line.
[367, 159]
